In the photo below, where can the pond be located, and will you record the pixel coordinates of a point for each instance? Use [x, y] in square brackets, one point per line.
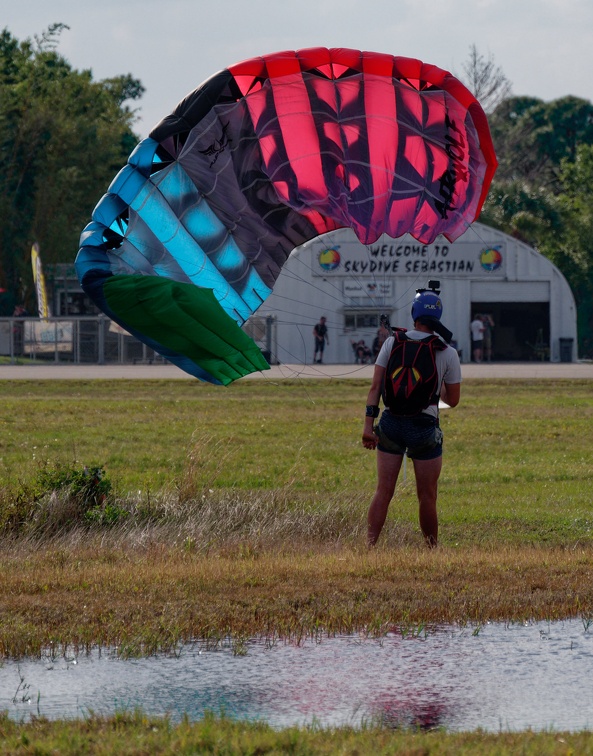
[496, 677]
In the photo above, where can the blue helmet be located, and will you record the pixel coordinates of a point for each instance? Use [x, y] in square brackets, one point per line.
[427, 304]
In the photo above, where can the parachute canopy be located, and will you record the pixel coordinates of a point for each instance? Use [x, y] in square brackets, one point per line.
[193, 232]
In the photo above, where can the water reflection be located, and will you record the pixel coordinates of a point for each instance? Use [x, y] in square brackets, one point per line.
[501, 677]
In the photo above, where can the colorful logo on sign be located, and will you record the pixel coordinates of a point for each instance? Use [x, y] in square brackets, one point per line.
[329, 259]
[490, 258]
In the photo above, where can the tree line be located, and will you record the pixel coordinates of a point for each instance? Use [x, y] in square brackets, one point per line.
[64, 136]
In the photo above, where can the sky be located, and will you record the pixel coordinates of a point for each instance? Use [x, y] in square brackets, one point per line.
[544, 47]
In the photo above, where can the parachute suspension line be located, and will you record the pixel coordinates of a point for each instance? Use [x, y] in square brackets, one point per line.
[305, 262]
[335, 293]
[417, 278]
[471, 227]
[298, 373]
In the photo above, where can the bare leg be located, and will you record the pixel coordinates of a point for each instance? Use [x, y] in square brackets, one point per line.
[427, 473]
[388, 467]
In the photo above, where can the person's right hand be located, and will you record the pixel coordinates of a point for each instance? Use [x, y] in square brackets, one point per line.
[369, 440]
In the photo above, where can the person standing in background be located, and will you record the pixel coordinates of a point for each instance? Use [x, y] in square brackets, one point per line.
[477, 329]
[321, 339]
[488, 323]
[382, 334]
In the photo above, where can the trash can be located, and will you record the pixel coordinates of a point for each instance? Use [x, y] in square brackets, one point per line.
[566, 350]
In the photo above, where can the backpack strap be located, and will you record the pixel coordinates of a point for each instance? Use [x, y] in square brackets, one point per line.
[438, 346]
[435, 342]
[400, 334]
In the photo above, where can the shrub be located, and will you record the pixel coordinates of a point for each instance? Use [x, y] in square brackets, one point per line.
[60, 497]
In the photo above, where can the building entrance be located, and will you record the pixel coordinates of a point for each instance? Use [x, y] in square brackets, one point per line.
[521, 330]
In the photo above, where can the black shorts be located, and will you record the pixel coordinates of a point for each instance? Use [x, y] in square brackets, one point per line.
[419, 436]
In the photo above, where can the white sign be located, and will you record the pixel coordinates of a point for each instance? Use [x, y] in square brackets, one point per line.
[46, 336]
[389, 258]
[353, 288]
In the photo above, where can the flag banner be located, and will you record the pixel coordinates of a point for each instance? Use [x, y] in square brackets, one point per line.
[39, 281]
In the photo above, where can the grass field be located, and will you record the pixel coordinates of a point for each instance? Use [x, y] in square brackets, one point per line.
[517, 454]
[242, 511]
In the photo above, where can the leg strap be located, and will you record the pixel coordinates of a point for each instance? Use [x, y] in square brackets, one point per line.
[395, 448]
[387, 443]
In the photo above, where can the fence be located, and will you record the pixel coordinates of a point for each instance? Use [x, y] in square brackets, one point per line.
[77, 340]
[95, 340]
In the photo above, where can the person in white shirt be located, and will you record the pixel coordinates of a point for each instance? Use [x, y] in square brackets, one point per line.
[477, 328]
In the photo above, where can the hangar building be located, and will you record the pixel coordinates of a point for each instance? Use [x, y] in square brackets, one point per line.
[485, 271]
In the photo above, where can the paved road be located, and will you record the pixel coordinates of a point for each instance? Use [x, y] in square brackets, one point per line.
[521, 370]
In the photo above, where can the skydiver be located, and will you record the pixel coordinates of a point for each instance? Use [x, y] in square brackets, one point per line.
[418, 435]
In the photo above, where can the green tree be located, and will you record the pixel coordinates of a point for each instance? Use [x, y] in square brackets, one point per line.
[572, 250]
[532, 137]
[543, 189]
[63, 137]
[527, 212]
